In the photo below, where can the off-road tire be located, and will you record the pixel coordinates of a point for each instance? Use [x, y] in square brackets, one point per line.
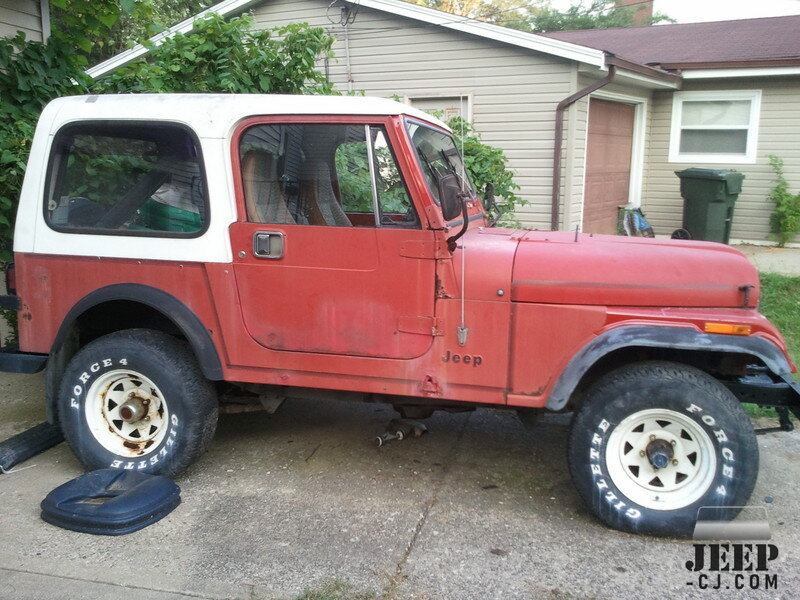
[158, 372]
[672, 405]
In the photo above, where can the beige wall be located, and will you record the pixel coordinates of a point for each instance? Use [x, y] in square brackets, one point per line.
[21, 15]
[779, 132]
[514, 92]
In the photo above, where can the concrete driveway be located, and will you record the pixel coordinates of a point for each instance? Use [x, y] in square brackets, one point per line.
[480, 508]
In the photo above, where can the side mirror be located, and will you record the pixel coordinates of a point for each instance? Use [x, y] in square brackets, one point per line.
[488, 193]
[450, 196]
[489, 202]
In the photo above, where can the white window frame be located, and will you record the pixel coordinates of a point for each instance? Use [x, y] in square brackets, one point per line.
[750, 155]
[467, 99]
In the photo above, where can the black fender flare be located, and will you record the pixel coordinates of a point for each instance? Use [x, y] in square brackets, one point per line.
[173, 309]
[678, 338]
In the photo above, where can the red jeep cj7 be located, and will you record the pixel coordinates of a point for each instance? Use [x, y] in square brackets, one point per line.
[171, 247]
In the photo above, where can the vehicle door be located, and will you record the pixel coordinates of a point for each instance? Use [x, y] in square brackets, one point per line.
[324, 252]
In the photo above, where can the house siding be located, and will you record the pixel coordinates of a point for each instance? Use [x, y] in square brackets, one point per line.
[21, 15]
[779, 130]
[514, 92]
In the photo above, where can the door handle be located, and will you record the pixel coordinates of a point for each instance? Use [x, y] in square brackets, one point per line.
[268, 244]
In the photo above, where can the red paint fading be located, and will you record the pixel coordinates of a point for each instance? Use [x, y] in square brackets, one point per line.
[551, 267]
[552, 334]
[523, 347]
[50, 286]
[336, 290]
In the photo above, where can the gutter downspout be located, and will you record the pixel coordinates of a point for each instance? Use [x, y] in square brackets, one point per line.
[559, 134]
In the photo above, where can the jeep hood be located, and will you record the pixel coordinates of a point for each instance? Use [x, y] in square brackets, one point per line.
[560, 268]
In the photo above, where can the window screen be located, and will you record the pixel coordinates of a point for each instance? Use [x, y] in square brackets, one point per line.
[123, 179]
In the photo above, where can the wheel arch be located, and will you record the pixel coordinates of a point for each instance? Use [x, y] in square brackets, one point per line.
[632, 343]
[123, 306]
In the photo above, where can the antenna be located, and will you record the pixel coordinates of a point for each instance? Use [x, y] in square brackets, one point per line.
[463, 330]
[461, 140]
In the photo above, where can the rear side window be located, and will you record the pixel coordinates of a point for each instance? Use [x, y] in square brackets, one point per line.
[126, 179]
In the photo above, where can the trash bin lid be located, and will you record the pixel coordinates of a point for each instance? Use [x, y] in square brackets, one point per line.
[110, 502]
[732, 178]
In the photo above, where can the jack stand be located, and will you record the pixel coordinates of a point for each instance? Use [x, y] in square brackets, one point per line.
[784, 422]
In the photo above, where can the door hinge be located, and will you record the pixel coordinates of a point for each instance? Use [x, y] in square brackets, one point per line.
[420, 325]
[424, 249]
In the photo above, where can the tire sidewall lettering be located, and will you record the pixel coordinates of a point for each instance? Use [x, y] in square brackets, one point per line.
[606, 489]
[600, 476]
[77, 401]
[79, 388]
[725, 454]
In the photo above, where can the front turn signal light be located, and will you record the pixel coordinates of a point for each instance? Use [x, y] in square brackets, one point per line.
[727, 328]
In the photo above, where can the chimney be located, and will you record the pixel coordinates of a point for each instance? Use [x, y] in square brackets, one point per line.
[644, 10]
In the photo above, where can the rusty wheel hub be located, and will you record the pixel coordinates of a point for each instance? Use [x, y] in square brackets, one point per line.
[126, 413]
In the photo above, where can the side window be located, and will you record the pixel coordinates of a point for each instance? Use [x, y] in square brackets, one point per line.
[126, 179]
[319, 174]
[355, 176]
[392, 195]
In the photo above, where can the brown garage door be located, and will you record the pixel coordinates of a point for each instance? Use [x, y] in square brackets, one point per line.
[608, 164]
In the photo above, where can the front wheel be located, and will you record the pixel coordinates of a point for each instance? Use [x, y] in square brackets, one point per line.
[136, 399]
[656, 441]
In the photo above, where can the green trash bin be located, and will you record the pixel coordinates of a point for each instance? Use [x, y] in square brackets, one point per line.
[709, 196]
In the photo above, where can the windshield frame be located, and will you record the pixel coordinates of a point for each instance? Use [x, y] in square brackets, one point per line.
[424, 165]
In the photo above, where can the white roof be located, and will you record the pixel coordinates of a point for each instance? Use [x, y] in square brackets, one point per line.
[429, 16]
[215, 115]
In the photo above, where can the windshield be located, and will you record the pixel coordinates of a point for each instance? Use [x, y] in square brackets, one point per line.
[438, 156]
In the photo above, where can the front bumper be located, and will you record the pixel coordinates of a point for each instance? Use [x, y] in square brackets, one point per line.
[781, 392]
[768, 390]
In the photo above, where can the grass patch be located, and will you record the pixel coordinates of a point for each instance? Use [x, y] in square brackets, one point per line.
[780, 303]
[335, 589]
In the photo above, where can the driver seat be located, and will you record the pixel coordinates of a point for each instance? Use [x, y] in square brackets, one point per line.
[318, 197]
[262, 190]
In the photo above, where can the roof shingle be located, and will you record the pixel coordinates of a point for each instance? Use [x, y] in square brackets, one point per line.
[765, 39]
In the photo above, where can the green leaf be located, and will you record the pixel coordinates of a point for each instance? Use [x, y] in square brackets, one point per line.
[127, 6]
[108, 19]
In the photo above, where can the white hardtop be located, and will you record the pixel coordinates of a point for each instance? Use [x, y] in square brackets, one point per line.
[215, 115]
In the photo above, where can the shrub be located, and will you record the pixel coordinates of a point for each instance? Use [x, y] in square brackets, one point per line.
[228, 56]
[31, 74]
[487, 164]
[785, 219]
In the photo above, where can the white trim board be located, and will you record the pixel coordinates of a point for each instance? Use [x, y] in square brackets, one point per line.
[744, 72]
[399, 8]
[224, 8]
[467, 98]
